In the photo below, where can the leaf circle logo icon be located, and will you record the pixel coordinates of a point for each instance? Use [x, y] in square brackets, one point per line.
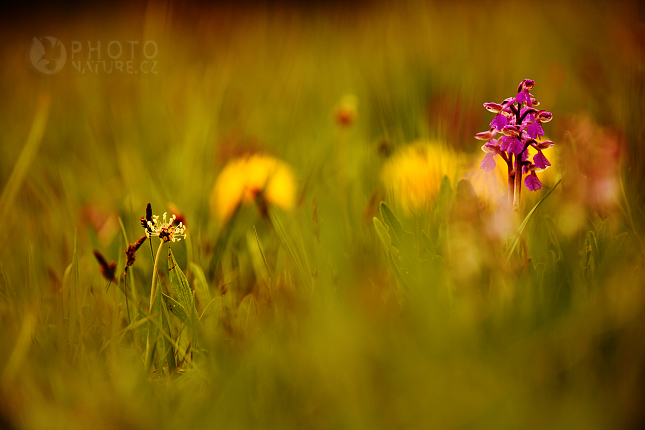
[47, 55]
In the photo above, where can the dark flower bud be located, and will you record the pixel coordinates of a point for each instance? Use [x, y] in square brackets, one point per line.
[107, 269]
[132, 249]
[148, 218]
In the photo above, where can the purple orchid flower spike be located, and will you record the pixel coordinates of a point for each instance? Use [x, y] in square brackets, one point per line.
[520, 125]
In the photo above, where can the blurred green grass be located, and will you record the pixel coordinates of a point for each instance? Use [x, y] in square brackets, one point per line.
[340, 344]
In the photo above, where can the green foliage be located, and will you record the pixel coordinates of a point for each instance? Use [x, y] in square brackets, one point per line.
[180, 287]
[516, 240]
[177, 309]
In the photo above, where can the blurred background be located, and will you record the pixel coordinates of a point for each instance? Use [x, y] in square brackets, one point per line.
[333, 89]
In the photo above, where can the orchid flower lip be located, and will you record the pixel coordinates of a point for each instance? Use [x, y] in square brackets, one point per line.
[532, 182]
[499, 122]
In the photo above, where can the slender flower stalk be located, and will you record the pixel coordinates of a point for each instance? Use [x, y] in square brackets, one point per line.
[520, 125]
[167, 231]
[153, 288]
[153, 293]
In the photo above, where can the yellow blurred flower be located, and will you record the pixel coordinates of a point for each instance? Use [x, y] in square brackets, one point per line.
[244, 178]
[414, 173]
[491, 187]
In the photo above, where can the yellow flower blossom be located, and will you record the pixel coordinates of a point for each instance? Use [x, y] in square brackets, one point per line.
[414, 173]
[244, 178]
[491, 187]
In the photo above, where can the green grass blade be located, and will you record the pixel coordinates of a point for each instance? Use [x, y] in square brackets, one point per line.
[393, 252]
[133, 288]
[20, 350]
[295, 254]
[176, 308]
[134, 324]
[516, 241]
[26, 157]
[179, 283]
[167, 350]
[264, 260]
[401, 238]
[383, 234]
[201, 286]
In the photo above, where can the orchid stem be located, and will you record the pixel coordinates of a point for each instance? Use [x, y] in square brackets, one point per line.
[518, 183]
[511, 183]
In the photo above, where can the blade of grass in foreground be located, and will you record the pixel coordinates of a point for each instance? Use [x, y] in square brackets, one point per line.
[20, 350]
[627, 211]
[25, 159]
[511, 248]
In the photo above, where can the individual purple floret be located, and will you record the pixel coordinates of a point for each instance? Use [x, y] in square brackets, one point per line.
[532, 182]
[540, 161]
[520, 124]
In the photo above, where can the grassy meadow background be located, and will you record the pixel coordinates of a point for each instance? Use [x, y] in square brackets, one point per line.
[327, 333]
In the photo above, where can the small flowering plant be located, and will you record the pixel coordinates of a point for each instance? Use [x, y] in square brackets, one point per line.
[519, 125]
[167, 231]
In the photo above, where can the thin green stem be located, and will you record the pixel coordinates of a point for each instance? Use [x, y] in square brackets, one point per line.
[127, 305]
[153, 288]
[153, 292]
